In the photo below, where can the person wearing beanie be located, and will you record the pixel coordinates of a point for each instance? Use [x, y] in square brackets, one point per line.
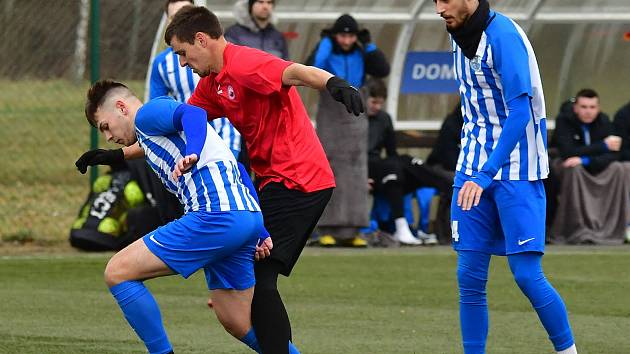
[255, 28]
[348, 52]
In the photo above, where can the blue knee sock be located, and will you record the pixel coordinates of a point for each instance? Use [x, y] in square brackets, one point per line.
[472, 275]
[251, 341]
[143, 314]
[527, 270]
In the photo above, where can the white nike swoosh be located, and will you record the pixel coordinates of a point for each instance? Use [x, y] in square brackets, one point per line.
[520, 243]
[154, 240]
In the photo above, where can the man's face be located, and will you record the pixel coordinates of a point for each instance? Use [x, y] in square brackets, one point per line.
[455, 12]
[261, 10]
[174, 7]
[586, 109]
[195, 56]
[374, 105]
[346, 40]
[113, 122]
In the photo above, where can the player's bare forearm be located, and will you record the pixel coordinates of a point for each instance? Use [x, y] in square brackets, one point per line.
[302, 75]
[133, 152]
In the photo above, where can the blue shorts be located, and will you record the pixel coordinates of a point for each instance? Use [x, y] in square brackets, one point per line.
[222, 243]
[510, 218]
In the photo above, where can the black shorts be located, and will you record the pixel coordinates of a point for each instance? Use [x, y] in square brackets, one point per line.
[290, 217]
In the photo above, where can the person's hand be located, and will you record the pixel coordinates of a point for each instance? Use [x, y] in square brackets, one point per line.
[364, 37]
[99, 157]
[469, 195]
[572, 162]
[613, 142]
[263, 249]
[370, 184]
[184, 165]
[343, 92]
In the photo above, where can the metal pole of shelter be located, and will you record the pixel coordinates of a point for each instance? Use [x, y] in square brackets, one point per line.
[95, 72]
[400, 53]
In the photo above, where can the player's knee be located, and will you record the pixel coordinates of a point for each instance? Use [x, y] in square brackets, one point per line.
[266, 276]
[471, 284]
[528, 280]
[237, 329]
[114, 272]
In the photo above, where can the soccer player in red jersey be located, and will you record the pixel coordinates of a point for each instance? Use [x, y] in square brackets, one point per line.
[255, 90]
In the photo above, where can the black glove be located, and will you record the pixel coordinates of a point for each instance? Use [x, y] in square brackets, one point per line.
[343, 92]
[100, 157]
[364, 37]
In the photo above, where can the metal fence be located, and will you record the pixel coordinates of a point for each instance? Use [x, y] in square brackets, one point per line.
[44, 74]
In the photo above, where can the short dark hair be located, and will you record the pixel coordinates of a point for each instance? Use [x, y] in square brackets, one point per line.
[168, 2]
[190, 20]
[96, 97]
[376, 88]
[586, 93]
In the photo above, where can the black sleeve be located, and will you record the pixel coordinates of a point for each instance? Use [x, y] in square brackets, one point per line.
[376, 64]
[567, 146]
[600, 162]
[622, 129]
[389, 139]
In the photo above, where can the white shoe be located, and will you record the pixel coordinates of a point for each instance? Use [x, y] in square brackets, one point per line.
[406, 238]
[427, 239]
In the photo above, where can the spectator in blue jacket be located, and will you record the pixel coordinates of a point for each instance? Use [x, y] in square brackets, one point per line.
[348, 52]
[255, 28]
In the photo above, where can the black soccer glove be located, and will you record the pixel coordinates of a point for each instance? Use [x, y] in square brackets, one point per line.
[100, 157]
[364, 37]
[343, 92]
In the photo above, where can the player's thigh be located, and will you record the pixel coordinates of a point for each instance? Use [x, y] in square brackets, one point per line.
[477, 229]
[522, 209]
[233, 309]
[135, 262]
[290, 217]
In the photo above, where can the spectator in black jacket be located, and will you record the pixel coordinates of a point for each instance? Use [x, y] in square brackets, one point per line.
[594, 205]
[443, 159]
[622, 129]
[446, 149]
[396, 175]
[254, 28]
[587, 137]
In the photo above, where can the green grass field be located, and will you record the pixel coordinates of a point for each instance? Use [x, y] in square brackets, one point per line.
[340, 301]
[43, 132]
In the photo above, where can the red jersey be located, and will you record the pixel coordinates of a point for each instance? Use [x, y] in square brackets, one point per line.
[281, 142]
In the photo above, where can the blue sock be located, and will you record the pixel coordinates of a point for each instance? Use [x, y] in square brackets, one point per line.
[472, 275]
[143, 314]
[528, 273]
[251, 341]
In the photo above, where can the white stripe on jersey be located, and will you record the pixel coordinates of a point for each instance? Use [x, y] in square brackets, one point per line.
[176, 78]
[485, 110]
[196, 189]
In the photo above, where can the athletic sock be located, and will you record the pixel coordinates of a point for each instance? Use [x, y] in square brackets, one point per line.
[251, 341]
[472, 275]
[143, 314]
[269, 316]
[528, 273]
[570, 350]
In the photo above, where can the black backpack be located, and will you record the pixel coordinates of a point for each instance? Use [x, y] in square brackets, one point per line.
[114, 214]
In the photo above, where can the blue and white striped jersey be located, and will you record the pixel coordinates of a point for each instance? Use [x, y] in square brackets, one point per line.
[168, 78]
[503, 69]
[214, 183]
